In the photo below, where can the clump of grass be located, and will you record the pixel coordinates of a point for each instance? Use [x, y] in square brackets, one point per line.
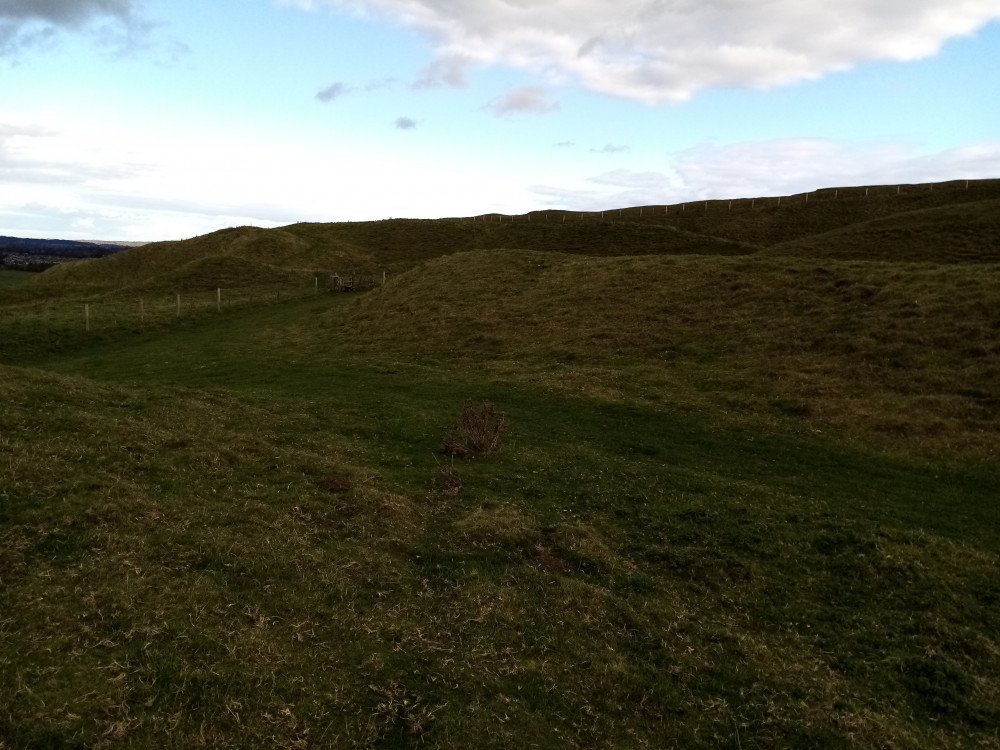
[448, 481]
[479, 430]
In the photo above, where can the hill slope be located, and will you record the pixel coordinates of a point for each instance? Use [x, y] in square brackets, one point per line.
[906, 352]
[965, 233]
[247, 256]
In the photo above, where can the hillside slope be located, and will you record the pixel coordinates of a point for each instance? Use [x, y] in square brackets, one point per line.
[246, 256]
[908, 352]
[965, 233]
[954, 221]
[775, 219]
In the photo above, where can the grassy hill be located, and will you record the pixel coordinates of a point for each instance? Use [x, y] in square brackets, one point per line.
[908, 352]
[743, 497]
[843, 222]
[965, 233]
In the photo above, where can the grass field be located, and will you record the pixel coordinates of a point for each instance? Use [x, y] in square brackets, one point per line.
[12, 278]
[741, 501]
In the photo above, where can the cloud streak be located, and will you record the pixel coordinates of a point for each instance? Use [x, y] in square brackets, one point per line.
[332, 92]
[658, 51]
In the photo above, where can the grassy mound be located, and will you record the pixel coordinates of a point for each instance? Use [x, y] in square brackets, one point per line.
[771, 220]
[836, 223]
[967, 233]
[908, 352]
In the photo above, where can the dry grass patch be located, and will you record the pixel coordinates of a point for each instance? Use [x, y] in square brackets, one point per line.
[503, 527]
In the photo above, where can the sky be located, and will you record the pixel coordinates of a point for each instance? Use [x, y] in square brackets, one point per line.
[149, 120]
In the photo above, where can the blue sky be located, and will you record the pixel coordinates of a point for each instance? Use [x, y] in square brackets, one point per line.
[163, 119]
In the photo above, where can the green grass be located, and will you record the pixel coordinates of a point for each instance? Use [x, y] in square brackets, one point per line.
[620, 573]
[13, 278]
[743, 501]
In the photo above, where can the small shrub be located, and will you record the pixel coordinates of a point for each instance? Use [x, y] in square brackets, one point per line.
[479, 430]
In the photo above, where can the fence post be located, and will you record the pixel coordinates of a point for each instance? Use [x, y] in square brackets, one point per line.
[142, 313]
[178, 305]
[218, 300]
[86, 316]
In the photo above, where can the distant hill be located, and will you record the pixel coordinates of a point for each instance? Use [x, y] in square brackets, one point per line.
[37, 254]
[942, 222]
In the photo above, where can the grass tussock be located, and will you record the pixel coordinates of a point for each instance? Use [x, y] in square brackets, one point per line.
[479, 431]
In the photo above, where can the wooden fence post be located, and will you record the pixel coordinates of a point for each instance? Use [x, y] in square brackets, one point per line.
[86, 316]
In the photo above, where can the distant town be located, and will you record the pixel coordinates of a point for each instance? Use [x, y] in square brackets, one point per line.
[26, 254]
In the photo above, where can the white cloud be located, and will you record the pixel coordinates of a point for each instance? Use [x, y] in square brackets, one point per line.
[528, 99]
[659, 51]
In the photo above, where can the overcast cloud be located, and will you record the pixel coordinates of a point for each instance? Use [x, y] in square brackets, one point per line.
[659, 51]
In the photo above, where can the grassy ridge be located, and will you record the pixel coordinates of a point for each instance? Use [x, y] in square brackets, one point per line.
[968, 233]
[247, 256]
[767, 221]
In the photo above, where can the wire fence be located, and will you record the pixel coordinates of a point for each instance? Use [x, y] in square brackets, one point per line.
[37, 325]
[695, 207]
